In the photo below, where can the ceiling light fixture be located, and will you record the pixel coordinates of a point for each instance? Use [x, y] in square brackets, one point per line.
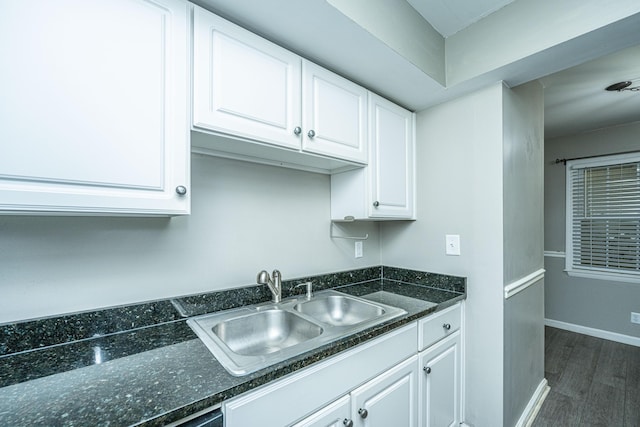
[620, 86]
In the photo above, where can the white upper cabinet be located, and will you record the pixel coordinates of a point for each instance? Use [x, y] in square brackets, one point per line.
[94, 107]
[258, 93]
[384, 190]
[334, 115]
[243, 84]
[392, 159]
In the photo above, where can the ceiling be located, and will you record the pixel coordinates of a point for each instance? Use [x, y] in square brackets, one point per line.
[574, 97]
[450, 16]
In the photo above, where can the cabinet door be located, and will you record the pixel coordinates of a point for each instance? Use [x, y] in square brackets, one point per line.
[334, 115]
[94, 106]
[336, 414]
[391, 159]
[244, 85]
[389, 400]
[440, 384]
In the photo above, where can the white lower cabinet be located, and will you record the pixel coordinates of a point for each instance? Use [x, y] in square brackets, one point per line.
[385, 382]
[286, 401]
[440, 384]
[440, 366]
[337, 414]
[389, 400]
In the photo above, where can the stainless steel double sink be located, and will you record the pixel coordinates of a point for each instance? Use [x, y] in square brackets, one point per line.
[251, 338]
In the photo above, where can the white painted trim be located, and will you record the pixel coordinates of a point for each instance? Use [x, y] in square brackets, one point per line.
[533, 407]
[555, 254]
[463, 356]
[603, 275]
[253, 159]
[522, 284]
[598, 333]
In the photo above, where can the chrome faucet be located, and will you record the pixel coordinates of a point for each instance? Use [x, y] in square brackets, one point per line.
[275, 284]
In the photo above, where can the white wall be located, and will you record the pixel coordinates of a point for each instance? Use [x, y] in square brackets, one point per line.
[245, 218]
[459, 182]
[599, 304]
[523, 245]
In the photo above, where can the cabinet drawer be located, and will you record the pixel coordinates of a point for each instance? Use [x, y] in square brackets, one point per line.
[439, 325]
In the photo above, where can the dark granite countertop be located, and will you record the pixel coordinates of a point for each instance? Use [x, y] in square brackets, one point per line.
[158, 371]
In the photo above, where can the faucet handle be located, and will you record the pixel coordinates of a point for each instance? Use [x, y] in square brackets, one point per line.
[309, 286]
[263, 277]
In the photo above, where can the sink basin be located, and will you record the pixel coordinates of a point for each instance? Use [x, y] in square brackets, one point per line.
[265, 332]
[339, 310]
[245, 340]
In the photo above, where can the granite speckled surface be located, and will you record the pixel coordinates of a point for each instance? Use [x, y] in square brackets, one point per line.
[29, 365]
[57, 330]
[433, 280]
[157, 371]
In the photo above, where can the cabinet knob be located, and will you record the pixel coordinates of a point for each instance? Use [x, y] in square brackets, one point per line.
[427, 369]
[376, 203]
[447, 326]
[363, 413]
[347, 423]
[311, 133]
[181, 190]
[297, 130]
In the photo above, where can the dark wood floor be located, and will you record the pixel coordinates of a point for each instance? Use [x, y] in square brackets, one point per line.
[594, 382]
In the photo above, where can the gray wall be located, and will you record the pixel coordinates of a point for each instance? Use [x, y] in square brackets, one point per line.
[600, 304]
[524, 349]
[459, 182]
[479, 175]
[245, 218]
[523, 245]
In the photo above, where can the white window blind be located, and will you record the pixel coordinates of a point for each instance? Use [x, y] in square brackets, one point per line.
[603, 217]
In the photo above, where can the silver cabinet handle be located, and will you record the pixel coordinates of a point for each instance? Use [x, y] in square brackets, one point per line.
[376, 203]
[447, 326]
[181, 190]
[297, 130]
[347, 423]
[311, 133]
[363, 413]
[427, 369]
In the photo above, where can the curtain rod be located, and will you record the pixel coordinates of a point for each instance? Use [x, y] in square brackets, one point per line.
[564, 161]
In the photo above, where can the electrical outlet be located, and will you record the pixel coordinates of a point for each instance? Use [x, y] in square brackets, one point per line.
[635, 317]
[358, 249]
[452, 242]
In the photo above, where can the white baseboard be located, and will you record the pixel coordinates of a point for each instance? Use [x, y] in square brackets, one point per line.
[533, 407]
[598, 333]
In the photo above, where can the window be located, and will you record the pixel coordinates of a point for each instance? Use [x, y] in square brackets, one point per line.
[603, 218]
